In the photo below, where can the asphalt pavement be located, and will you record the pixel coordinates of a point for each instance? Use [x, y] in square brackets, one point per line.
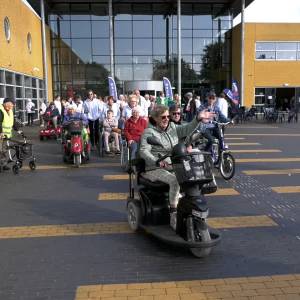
[64, 233]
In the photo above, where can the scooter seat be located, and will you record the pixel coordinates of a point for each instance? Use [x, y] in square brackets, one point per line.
[153, 184]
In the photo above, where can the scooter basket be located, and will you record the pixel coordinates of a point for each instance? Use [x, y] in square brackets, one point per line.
[193, 167]
[75, 127]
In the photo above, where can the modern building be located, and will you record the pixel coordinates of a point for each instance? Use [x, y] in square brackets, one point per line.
[271, 63]
[83, 42]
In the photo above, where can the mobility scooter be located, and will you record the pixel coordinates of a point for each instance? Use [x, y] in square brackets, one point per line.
[151, 210]
[50, 131]
[76, 146]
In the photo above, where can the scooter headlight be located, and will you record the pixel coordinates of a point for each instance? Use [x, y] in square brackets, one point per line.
[200, 214]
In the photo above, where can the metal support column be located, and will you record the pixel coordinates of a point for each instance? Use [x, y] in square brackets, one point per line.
[111, 38]
[45, 64]
[179, 46]
[242, 51]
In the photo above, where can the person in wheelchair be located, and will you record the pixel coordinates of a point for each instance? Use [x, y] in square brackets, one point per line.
[134, 128]
[168, 135]
[73, 115]
[210, 130]
[110, 127]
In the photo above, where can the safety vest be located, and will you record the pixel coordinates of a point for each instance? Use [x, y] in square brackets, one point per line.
[8, 122]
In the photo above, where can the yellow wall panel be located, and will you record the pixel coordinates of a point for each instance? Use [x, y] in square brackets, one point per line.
[14, 55]
[264, 73]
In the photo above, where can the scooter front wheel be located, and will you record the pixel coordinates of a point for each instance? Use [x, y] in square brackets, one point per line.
[77, 160]
[198, 231]
[227, 165]
[134, 214]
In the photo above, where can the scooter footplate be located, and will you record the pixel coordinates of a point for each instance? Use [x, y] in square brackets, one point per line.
[166, 234]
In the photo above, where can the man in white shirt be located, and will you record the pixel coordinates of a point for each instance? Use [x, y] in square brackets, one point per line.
[57, 103]
[222, 104]
[127, 111]
[142, 103]
[94, 109]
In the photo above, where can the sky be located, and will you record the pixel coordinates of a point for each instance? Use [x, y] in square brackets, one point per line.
[272, 11]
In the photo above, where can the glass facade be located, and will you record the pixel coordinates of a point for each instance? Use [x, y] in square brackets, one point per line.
[21, 87]
[145, 45]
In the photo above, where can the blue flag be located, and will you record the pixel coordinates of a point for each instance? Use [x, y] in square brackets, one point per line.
[228, 93]
[168, 88]
[112, 88]
[235, 92]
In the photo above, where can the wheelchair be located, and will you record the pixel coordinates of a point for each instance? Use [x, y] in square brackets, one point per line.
[111, 143]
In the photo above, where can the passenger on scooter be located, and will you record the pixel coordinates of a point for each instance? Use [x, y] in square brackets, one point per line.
[168, 135]
[210, 130]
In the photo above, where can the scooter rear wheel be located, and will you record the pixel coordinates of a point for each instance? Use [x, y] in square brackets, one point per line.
[134, 214]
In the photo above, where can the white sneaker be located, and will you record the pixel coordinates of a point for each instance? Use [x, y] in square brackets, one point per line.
[173, 220]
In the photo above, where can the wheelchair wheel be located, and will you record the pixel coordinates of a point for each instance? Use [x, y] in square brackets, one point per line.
[124, 157]
[15, 169]
[32, 165]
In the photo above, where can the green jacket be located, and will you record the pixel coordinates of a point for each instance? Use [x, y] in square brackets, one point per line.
[168, 138]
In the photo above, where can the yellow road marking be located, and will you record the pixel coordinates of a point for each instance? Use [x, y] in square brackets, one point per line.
[279, 159]
[123, 196]
[244, 144]
[116, 177]
[284, 286]
[286, 189]
[70, 166]
[256, 151]
[272, 172]
[264, 134]
[119, 227]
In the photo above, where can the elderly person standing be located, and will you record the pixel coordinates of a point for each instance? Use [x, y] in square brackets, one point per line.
[134, 128]
[30, 110]
[169, 135]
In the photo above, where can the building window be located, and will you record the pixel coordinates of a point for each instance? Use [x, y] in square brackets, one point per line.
[7, 29]
[277, 50]
[29, 42]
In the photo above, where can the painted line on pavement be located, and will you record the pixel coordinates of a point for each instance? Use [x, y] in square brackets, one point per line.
[243, 144]
[120, 227]
[284, 286]
[275, 160]
[124, 196]
[58, 167]
[256, 151]
[272, 172]
[286, 189]
[234, 138]
[254, 127]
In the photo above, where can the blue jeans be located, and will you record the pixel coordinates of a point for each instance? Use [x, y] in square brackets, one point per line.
[133, 150]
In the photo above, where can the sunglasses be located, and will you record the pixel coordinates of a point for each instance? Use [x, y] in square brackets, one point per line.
[165, 117]
[176, 113]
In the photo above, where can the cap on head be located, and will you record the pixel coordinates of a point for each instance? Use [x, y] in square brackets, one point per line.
[6, 100]
[212, 94]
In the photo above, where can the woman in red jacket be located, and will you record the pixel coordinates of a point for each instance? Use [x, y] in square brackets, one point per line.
[134, 128]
